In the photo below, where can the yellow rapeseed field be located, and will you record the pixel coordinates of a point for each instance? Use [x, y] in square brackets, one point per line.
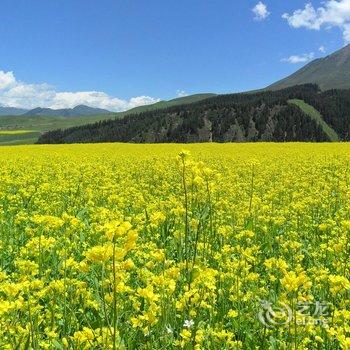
[232, 246]
[15, 132]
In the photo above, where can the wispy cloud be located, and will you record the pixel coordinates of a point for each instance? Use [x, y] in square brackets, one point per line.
[322, 49]
[181, 93]
[333, 13]
[260, 11]
[15, 93]
[295, 59]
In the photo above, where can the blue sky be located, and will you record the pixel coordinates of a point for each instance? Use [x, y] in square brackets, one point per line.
[155, 49]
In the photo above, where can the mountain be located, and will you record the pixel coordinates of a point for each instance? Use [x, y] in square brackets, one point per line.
[331, 72]
[83, 110]
[12, 111]
[300, 113]
[80, 110]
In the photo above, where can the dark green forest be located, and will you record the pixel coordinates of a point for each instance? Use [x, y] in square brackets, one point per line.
[258, 116]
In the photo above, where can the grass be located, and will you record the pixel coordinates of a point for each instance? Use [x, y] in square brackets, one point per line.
[12, 138]
[315, 115]
[26, 129]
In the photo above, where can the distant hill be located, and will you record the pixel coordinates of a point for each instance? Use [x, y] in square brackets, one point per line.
[171, 103]
[80, 110]
[12, 111]
[83, 110]
[300, 113]
[29, 127]
[331, 72]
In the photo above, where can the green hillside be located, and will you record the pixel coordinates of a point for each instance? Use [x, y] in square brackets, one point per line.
[315, 115]
[166, 104]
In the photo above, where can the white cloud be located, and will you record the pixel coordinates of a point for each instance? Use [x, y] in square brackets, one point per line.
[333, 13]
[6, 79]
[14, 93]
[181, 93]
[346, 33]
[295, 59]
[98, 99]
[260, 11]
[322, 49]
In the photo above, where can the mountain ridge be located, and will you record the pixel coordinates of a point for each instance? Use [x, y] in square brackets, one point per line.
[79, 110]
[11, 111]
[330, 72]
[84, 110]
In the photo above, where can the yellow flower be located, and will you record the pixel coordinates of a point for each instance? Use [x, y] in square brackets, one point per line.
[339, 284]
[99, 254]
[232, 314]
[292, 282]
[86, 335]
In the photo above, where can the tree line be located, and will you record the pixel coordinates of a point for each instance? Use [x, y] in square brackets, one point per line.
[256, 116]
